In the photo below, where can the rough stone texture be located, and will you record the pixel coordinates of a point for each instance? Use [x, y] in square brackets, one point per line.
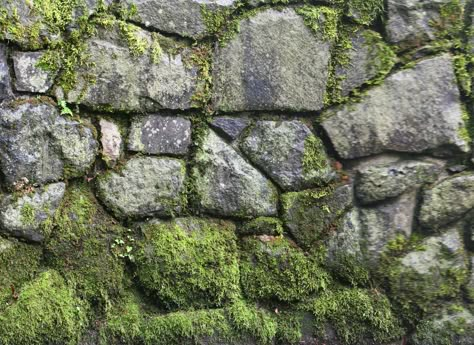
[111, 140]
[365, 61]
[289, 153]
[377, 183]
[414, 110]
[29, 77]
[229, 186]
[5, 82]
[146, 187]
[310, 214]
[447, 201]
[231, 127]
[133, 83]
[411, 20]
[38, 144]
[156, 134]
[23, 216]
[182, 17]
[380, 224]
[470, 283]
[274, 63]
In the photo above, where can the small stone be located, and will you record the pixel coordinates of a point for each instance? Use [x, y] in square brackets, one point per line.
[24, 216]
[5, 82]
[111, 140]
[447, 201]
[274, 63]
[156, 134]
[146, 187]
[414, 110]
[455, 169]
[377, 183]
[229, 186]
[289, 153]
[28, 76]
[310, 214]
[231, 127]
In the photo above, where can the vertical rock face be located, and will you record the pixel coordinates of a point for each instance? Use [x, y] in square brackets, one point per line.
[28, 76]
[5, 82]
[415, 110]
[275, 62]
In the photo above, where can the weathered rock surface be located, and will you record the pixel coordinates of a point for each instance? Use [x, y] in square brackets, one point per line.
[5, 82]
[412, 20]
[28, 76]
[289, 153]
[447, 201]
[111, 140]
[23, 216]
[311, 213]
[368, 58]
[38, 144]
[156, 134]
[376, 183]
[146, 187]
[229, 186]
[470, 283]
[414, 110]
[131, 81]
[182, 17]
[274, 63]
[231, 127]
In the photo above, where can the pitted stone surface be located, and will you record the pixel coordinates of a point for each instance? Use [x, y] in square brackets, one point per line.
[289, 153]
[28, 76]
[274, 63]
[229, 186]
[414, 110]
[156, 134]
[5, 80]
[146, 187]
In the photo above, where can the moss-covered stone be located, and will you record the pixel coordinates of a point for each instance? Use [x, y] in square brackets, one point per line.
[189, 262]
[274, 268]
[262, 226]
[46, 312]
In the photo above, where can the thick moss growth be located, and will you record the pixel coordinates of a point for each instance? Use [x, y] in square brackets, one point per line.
[275, 268]
[365, 11]
[79, 247]
[263, 226]
[19, 262]
[46, 312]
[357, 316]
[189, 262]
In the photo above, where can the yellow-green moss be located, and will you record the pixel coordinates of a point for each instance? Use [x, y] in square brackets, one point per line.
[365, 11]
[189, 263]
[462, 63]
[263, 226]
[28, 214]
[314, 155]
[46, 312]
[275, 268]
[322, 20]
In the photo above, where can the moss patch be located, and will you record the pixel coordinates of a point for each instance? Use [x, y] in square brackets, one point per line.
[263, 226]
[323, 21]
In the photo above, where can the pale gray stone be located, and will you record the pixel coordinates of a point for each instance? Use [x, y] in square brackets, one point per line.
[28, 76]
[414, 110]
[111, 140]
[274, 63]
[157, 134]
[229, 186]
[24, 216]
[231, 127]
[5, 81]
[145, 187]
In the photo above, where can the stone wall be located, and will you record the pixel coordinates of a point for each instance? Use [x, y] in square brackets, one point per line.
[236, 172]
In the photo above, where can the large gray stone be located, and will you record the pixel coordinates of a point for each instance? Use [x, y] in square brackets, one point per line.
[146, 187]
[309, 215]
[5, 82]
[289, 153]
[29, 77]
[229, 186]
[274, 63]
[447, 201]
[415, 110]
[182, 17]
[38, 144]
[415, 20]
[377, 183]
[156, 134]
[24, 216]
[130, 81]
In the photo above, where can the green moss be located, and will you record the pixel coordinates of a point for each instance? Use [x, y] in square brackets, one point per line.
[450, 24]
[201, 58]
[462, 63]
[189, 263]
[290, 327]
[384, 57]
[314, 156]
[323, 21]
[28, 214]
[350, 268]
[357, 316]
[467, 130]
[365, 11]
[274, 268]
[46, 312]
[263, 226]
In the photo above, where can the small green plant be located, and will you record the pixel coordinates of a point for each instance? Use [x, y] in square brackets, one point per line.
[63, 107]
[123, 247]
